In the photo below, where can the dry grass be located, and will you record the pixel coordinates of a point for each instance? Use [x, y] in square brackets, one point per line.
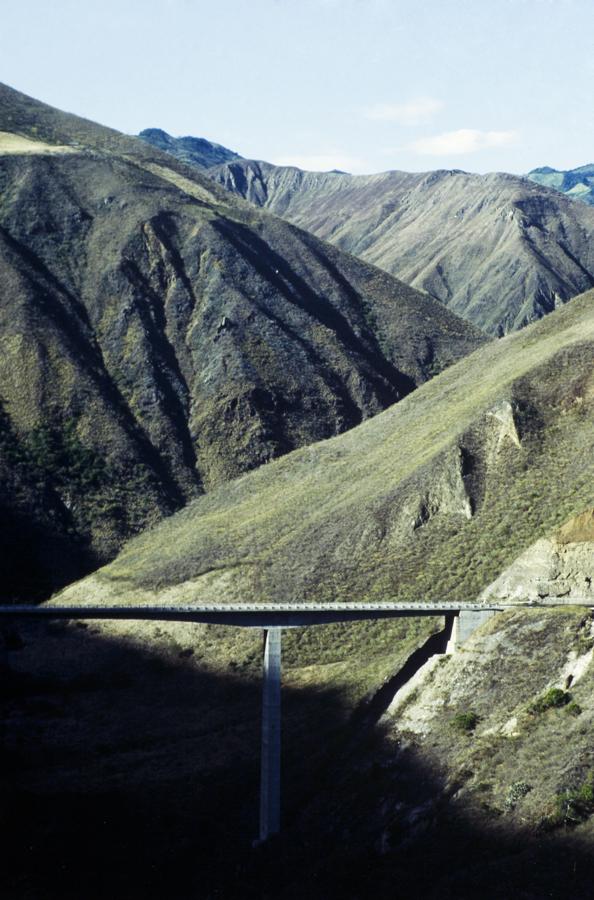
[334, 520]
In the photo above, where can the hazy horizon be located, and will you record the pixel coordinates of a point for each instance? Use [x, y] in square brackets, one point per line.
[358, 85]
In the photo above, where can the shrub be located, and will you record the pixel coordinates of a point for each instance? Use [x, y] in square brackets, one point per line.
[517, 790]
[574, 709]
[551, 699]
[575, 806]
[465, 722]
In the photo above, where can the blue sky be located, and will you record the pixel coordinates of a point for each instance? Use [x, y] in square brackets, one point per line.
[361, 85]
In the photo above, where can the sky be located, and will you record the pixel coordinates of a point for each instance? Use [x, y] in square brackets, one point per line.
[359, 85]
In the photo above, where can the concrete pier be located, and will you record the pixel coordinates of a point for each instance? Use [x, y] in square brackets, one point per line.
[271, 735]
[465, 623]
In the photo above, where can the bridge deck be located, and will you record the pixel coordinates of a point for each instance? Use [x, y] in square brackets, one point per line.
[258, 615]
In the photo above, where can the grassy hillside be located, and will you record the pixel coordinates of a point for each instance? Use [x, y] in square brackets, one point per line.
[138, 746]
[160, 336]
[498, 249]
[429, 500]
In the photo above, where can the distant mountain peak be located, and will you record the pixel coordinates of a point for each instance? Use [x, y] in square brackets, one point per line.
[543, 170]
[577, 184]
[195, 150]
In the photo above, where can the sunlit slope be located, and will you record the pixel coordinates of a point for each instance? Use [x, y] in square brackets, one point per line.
[431, 499]
[497, 249]
[159, 336]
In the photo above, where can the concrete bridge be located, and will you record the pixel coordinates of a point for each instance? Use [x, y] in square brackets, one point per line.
[272, 618]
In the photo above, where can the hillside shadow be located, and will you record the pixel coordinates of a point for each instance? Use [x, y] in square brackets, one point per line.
[131, 774]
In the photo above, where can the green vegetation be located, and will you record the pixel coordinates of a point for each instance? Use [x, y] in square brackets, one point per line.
[551, 699]
[575, 805]
[465, 722]
[574, 709]
[62, 457]
[517, 791]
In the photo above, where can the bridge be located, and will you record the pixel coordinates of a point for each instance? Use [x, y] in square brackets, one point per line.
[272, 618]
[251, 615]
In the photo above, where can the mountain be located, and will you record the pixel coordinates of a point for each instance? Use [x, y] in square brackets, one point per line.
[497, 249]
[160, 336]
[575, 183]
[197, 151]
[431, 499]
[465, 775]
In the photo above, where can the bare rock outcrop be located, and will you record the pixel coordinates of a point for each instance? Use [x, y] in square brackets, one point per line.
[560, 567]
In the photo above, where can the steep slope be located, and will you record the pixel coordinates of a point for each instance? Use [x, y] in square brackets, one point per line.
[497, 249]
[159, 336]
[578, 184]
[197, 151]
[506, 800]
[431, 499]
[472, 784]
[558, 567]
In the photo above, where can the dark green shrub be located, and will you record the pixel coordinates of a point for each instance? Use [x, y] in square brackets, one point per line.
[465, 722]
[61, 455]
[551, 699]
[574, 709]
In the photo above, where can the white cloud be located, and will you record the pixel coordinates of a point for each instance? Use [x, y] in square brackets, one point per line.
[465, 140]
[411, 113]
[324, 162]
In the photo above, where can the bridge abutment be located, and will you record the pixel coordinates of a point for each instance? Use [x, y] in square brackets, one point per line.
[465, 623]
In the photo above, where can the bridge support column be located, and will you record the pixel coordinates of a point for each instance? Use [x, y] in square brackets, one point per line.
[271, 735]
[465, 623]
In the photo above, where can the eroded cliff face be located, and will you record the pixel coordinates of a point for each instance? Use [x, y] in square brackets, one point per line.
[485, 763]
[560, 567]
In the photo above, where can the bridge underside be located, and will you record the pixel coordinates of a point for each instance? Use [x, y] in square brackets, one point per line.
[246, 616]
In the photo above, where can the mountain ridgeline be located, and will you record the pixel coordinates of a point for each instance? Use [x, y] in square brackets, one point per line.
[160, 337]
[498, 249]
[197, 151]
[578, 184]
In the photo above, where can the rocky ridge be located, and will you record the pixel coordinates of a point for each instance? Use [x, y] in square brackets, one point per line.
[556, 568]
[498, 249]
